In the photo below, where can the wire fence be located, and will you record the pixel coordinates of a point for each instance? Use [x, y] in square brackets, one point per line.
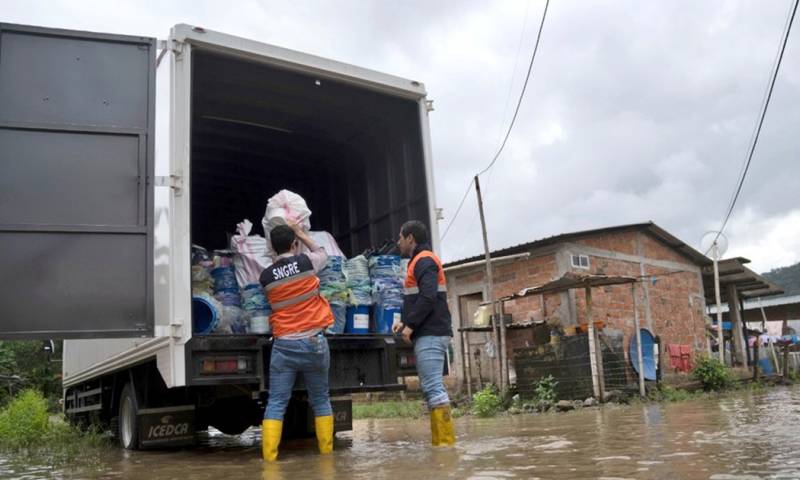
[569, 363]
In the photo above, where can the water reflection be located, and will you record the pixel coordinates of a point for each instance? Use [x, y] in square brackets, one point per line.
[739, 437]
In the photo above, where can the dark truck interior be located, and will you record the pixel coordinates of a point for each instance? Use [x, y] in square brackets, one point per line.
[354, 154]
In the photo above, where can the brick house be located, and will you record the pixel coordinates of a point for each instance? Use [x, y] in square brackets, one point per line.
[670, 298]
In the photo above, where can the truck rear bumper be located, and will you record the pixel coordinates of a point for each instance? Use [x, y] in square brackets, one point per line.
[359, 363]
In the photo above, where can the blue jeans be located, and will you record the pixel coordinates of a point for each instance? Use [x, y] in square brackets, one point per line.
[431, 352]
[309, 356]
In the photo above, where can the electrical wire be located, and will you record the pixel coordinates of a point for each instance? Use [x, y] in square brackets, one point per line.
[521, 94]
[758, 128]
[510, 126]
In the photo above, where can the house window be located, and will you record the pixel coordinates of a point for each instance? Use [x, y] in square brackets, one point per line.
[580, 261]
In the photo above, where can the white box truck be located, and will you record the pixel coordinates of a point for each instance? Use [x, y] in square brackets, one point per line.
[117, 153]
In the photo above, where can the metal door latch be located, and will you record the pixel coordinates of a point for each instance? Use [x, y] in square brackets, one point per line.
[174, 182]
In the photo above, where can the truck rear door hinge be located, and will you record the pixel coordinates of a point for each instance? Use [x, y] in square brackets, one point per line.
[174, 182]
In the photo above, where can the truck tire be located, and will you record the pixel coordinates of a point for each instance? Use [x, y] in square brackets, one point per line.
[128, 433]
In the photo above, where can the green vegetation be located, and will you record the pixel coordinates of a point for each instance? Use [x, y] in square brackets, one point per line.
[665, 393]
[26, 365]
[712, 374]
[546, 389]
[27, 431]
[487, 402]
[788, 278]
[388, 409]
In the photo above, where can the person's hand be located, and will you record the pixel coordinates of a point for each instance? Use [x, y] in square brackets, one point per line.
[397, 327]
[407, 334]
[294, 225]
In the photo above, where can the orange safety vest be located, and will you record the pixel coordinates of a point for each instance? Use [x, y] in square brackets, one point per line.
[292, 288]
[411, 287]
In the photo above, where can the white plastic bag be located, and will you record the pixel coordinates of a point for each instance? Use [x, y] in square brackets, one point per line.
[282, 208]
[326, 241]
[285, 207]
[251, 254]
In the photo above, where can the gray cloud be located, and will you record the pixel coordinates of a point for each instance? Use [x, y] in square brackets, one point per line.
[636, 110]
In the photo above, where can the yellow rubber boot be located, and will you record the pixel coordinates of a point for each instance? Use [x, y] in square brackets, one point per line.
[270, 438]
[324, 428]
[442, 431]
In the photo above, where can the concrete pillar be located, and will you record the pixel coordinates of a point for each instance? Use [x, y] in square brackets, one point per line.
[735, 316]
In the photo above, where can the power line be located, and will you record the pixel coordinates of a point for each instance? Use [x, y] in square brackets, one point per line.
[510, 126]
[522, 93]
[760, 124]
[458, 210]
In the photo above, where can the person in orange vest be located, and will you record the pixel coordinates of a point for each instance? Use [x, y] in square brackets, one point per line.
[299, 317]
[426, 322]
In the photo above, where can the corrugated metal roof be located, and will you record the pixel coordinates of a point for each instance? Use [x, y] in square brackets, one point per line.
[650, 227]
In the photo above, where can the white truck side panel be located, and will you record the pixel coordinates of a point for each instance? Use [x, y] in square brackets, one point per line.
[87, 359]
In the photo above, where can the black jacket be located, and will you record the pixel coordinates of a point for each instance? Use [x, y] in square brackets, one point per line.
[426, 312]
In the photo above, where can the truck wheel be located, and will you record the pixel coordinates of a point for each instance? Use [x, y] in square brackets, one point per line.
[128, 433]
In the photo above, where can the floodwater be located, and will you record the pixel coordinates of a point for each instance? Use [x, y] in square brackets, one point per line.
[744, 436]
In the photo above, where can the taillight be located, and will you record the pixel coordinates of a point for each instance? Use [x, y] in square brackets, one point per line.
[216, 365]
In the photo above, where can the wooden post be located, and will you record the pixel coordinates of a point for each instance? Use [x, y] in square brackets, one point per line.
[785, 362]
[466, 370]
[639, 355]
[499, 354]
[595, 351]
[720, 334]
[756, 359]
[735, 317]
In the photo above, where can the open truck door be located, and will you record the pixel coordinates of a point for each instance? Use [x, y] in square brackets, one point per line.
[77, 123]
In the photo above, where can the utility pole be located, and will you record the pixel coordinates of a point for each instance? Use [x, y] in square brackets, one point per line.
[720, 334]
[499, 345]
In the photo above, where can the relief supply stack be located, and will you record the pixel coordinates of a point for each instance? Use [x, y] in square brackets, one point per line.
[387, 291]
[226, 291]
[250, 260]
[359, 286]
[333, 286]
[206, 310]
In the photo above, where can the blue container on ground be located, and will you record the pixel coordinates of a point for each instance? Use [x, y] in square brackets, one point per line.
[339, 318]
[385, 317]
[205, 316]
[357, 319]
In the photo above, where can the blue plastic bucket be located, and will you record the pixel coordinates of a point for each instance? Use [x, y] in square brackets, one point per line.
[204, 316]
[357, 320]
[385, 317]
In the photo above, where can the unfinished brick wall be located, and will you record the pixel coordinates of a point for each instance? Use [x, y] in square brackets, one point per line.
[675, 300]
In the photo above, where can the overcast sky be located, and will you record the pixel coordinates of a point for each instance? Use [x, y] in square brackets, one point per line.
[636, 110]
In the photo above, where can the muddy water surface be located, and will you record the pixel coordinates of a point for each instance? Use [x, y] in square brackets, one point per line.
[744, 436]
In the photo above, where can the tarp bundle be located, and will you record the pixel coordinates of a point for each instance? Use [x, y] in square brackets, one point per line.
[333, 286]
[356, 271]
[332, 283]
[387, 281]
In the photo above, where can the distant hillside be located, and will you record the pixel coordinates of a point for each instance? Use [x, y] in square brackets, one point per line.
[787, 278]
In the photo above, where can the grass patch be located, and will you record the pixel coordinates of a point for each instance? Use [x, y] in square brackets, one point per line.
[29, 433]
[388, 409]
[665, 393]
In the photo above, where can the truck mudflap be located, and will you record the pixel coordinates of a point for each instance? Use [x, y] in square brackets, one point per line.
[166, 427]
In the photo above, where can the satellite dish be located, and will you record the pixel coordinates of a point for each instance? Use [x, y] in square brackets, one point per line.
[707, 243]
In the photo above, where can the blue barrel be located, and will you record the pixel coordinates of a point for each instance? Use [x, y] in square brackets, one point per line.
[357, 319]
[385, 317]
[204, 316]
